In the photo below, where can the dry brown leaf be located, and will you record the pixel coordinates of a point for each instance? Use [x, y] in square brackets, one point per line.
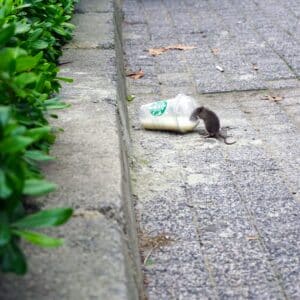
[277, 98]
[215, 51]
[156, 51]
[159, 51]
[152, 243]
[136, 75]
[272, 98]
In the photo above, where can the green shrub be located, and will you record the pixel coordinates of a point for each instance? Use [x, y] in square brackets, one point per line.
[32, 33]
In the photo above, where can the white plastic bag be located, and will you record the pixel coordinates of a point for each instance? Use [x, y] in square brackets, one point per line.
[171, 114]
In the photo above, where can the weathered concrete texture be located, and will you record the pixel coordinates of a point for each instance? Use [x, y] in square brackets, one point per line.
[99, 258]
[94, 32]
[89, 266]
[254, 50]
[233, 212]
[95, 6]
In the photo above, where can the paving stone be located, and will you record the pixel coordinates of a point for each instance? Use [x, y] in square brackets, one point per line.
[55, 275]
[88, 37]
[234, 208]
[188, 276]
[94, 6]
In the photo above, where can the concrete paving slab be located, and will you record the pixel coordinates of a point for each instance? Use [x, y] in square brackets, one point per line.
[99, 259]
[96, 31]
[95, 6]
[89, 266]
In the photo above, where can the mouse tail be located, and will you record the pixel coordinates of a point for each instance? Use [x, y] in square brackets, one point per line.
[225, 139]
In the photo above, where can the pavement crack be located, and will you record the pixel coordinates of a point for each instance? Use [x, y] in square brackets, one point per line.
[108, 211]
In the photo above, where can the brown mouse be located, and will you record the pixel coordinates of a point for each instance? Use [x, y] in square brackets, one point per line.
[211, 122]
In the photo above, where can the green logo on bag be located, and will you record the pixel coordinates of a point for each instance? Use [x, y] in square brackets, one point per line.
[158, 108]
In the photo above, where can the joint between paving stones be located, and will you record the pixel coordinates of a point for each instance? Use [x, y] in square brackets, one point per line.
[253, 222]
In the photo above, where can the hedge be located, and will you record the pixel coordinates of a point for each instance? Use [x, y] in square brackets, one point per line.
[32, 33]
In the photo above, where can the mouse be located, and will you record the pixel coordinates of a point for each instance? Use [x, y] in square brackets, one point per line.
[211, 122]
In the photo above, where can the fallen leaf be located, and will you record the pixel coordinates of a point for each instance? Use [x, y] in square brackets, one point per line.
[130, 97]
[136, 75]
[277, 98]
[215, 51]
[149, 262]
[159, 51]
[272, 98]
[152, 243]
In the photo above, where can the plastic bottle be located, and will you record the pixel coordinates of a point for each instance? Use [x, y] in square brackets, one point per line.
[171, 114]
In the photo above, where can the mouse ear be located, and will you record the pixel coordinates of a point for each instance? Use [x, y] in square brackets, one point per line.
[200, 109]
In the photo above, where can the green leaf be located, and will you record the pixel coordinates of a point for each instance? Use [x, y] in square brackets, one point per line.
[38, 187]
[58, 105]
[8, 59]
[4, 229]
[24, 79]
[4, 115]
[5, 190]
[5, 8]
[6, 33]
[60, 31]
[66, 79]
[15, 144]
[130, 97]
[39, 45]
[38, 155]
[35, 34]
[55, 103]
[39, 132]
[4, 235]
[25, 63]
[45, 218]
[22, 28]
[68, 25]
[38, 238]
[149, 262]
[13, 259]
[23, 6]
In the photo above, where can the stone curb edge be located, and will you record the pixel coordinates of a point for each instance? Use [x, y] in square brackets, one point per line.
[131, 227]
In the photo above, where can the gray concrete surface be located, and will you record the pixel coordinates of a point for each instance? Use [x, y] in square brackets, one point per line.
[233, 212]
[99, 259]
